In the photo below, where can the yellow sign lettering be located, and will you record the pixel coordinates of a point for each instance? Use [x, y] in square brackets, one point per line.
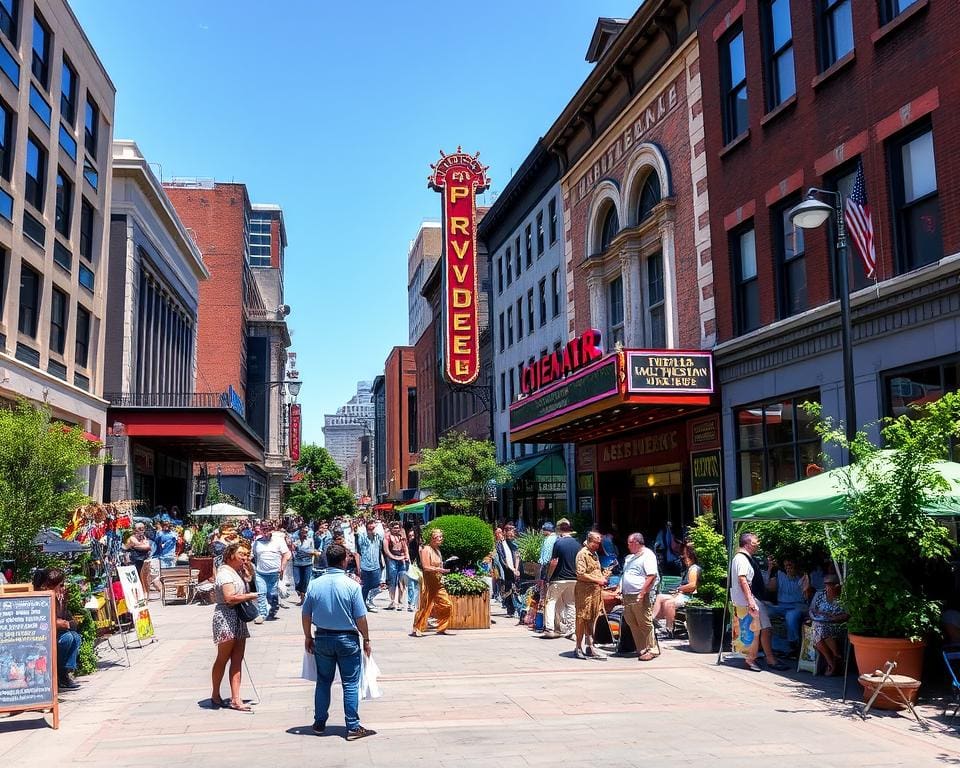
[462, 298]
[461, 345]
[461, 271]
[461, 248]
[461, 367]
[458, 225]
[457, 192]
[461, 321]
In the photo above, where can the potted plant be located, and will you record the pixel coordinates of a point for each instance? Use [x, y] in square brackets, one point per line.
[200, 559]
[704, 612]
[470, 540]
[529, 545]
[889, 538]
[470, 595]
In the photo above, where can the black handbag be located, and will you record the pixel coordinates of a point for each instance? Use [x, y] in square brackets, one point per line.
[247, 611]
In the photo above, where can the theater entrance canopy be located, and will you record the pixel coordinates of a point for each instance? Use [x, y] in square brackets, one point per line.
[623, 390]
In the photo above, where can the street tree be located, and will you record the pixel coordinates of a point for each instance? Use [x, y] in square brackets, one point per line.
[319, 493]
[41, 482]
[463, 471]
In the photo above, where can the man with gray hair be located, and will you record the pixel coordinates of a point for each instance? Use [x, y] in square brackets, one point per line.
[751, 627]
[638, 589]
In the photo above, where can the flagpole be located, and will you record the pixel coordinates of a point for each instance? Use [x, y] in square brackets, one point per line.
[846, 342]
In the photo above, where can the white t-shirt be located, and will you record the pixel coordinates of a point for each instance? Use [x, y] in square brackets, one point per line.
[269, 554]
[740, 566]
[636, 568]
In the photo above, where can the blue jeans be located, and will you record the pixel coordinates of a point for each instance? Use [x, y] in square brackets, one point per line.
[267, 587]
[330, 651]
[68, 646]
[369, 584]
[793, 614]
[396, 569]
[413, 593]
[302, 575]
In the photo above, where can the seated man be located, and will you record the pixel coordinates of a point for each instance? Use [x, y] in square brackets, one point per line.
[791, 587]
[68, 639]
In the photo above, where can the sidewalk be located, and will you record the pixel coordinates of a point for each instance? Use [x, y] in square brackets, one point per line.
[501, 695]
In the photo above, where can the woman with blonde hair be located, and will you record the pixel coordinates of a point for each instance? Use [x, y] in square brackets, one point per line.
[230, 633]
[434, 600]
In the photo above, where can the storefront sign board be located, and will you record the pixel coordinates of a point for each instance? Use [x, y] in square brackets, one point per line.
[667, 371]
[28, 658]
[136, 600]
[643, 450]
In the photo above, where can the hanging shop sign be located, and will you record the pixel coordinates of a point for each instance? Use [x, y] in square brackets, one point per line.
[459, 178]
[28, 660]
[662, 371]
[556, 365]
[706, 480]
[295, 432]
[644, 450]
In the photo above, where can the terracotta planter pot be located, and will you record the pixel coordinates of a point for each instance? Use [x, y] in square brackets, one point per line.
[204, 565]
[470, 611]
[872, 653]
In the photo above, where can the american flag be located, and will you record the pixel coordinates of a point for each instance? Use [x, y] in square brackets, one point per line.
[860, 224]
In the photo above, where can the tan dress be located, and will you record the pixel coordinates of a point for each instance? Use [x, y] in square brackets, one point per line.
[587, 594]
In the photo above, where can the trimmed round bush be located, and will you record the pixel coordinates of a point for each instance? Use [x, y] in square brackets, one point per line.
[467, 537]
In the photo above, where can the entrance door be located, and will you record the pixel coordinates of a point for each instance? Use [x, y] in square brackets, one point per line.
[650, 510]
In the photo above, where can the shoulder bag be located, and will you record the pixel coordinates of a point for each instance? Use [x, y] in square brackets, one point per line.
[247, 611]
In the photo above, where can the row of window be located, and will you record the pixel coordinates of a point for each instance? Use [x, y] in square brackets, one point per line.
[917, 230]
[28, 319]
[513, 258]
[164, 339]
[834, 31]
[259, 243]
[510, 379]
[506, 319]
[655, 300]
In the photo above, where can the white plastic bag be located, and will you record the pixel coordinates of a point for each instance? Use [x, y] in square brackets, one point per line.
[309, 669]
[369, 672]
[283, 590]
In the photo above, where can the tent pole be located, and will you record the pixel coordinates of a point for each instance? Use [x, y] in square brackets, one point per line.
[726, 602]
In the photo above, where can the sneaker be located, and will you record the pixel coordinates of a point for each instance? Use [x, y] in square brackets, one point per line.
[319, 727]
[372, 608]
[392, 607]
[66, 682]
[359, 732]
[258, 620]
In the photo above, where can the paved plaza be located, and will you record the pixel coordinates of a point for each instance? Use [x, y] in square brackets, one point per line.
[498, 697]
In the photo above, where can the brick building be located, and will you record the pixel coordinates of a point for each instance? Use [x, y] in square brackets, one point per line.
[401, 446]
[791, 100]
[638, 270]
[242, 335]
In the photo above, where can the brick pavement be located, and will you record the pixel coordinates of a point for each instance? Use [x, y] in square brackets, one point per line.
[501, 694]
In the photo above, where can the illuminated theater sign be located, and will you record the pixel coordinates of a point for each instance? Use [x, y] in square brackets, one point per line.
[459, 177]
[560, 363]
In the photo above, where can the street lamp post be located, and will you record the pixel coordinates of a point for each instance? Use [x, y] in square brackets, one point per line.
[812, 213]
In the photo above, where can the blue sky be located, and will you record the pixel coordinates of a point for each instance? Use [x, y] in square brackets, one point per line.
[335, 112]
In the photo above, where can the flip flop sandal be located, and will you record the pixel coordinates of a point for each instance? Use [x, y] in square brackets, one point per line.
[648, 657]
[753, 667]
[238, 707]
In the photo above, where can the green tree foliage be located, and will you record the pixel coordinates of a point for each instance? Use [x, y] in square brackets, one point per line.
[461, 470]
[464, 536]
[803, 542]
[712, 559]
[40, 479]
[889, 543]
[320, 494]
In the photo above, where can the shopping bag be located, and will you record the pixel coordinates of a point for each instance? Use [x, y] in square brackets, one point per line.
[309, 669]
[369, 672]
[283, 590]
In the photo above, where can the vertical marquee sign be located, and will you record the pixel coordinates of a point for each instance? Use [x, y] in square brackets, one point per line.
[294, 432]
[459, 178]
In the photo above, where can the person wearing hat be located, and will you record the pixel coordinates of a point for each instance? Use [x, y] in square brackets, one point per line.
[561, 575]
[828, 617]
[546, 549]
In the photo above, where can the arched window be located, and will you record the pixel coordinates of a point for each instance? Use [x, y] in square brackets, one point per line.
[611, 225]
[649, 196]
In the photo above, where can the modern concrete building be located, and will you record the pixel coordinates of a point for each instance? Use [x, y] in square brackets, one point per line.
[56, 128]
[424, 253]
[343, 430]
[523, 232]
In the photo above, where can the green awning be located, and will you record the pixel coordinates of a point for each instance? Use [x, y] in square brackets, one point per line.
[822, 497]
[519, 468]
[419, 507]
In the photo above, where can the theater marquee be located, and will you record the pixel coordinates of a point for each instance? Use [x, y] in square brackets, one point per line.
[459, 177]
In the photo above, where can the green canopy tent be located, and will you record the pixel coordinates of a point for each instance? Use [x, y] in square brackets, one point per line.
[822, 498]
[426, 508]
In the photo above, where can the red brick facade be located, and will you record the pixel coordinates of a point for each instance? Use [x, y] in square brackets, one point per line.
[425, 363]
[400, 376]
[899, 76]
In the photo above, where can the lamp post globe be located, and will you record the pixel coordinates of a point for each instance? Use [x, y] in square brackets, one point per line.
[810, 214]
[293, 387]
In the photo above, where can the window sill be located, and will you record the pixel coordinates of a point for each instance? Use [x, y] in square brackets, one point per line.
[778, 110]
[894, 24]
[842, 63]
[734, 143]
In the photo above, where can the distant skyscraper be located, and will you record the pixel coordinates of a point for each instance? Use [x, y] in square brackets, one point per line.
[342, 430]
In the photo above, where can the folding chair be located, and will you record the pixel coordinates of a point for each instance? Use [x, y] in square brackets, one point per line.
[951, 657]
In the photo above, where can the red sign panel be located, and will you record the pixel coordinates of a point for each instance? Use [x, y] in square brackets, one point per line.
[459, 177]
[555, 365]
[294, 432]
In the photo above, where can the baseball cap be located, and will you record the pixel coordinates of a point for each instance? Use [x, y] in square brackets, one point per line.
[548, 526]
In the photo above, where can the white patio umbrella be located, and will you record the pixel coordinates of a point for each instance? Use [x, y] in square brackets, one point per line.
[221, 509]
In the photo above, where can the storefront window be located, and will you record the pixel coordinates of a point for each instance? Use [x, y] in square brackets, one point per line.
[776, 443]
[905, 390]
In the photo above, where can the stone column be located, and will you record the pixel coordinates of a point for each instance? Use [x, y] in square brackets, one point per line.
[598, 304]
[633, 320]
[669, 283]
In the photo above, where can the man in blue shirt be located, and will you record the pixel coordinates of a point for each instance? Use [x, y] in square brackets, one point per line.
[546, 549]
[370, 548]
[166, 545]
[334, 609]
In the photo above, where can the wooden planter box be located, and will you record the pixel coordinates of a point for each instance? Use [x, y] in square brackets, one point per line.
[470, 611]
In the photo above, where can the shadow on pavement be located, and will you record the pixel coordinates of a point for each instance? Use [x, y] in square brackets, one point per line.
[33, 724]
[307, 730]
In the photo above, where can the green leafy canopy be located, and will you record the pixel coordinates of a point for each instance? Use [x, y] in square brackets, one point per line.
[320, 494]
[712, 559]
[464, 536]
[462, 470]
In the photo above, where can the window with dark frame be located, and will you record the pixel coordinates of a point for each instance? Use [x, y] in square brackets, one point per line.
[543, 302]
[40, 57]
[509, 326]
[86, 231]
[530, 321]
[91, 126]
[906, 390]
[509, 261]
[615, 310]
[519, 260]
[83, 337]
[609, 229]
[500, 274]
[503, 334]
[916, 201]
[842, 180]
[890, 9]
[746, 287]
[835, 30]
[540, 234]
[520, 318]
[552, 213]
[528, 241]
[733, 84]
[4, 264]
[649, 196]
[36, 173]
[513, 389]
[8, 19]
[29, 310]
[555, 291]
[6, 137]
[656, 302]
[503, 391]
[780, 73]
[790, 263]
[58, 321]
[64, 203]
[413, 442]
[68, 92]
[776, 443]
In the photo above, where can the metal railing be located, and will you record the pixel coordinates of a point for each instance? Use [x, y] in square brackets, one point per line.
[168, 399]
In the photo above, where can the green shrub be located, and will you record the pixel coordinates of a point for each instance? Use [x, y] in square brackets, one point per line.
[464, 536]
[712, 559]
[803, 542]
[529, 545]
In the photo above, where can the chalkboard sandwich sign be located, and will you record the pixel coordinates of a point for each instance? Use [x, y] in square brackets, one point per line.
[28, 660]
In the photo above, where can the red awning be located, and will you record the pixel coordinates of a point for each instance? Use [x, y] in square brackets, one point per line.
[385, 507]
[88, 436]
